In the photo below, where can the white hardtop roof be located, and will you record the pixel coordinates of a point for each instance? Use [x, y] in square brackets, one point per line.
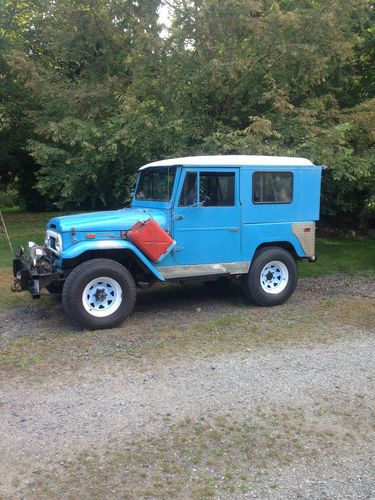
[231, 161]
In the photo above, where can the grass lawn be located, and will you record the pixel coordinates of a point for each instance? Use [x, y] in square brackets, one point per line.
[334, 254]
[23, 227]
[349, 255]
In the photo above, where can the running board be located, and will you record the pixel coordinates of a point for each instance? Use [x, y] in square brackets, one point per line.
[220, 269]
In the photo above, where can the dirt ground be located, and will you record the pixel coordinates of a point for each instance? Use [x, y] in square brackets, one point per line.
[199, 394]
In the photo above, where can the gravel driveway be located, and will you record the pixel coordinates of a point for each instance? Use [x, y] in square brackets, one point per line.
[313, 403]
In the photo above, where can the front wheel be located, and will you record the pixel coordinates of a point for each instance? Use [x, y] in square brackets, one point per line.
[99, 293]
[272, 277]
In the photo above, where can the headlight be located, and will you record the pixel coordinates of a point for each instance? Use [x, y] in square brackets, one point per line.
[58, 244]
[54, 241]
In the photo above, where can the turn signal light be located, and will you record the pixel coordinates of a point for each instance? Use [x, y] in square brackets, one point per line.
[90, 236]
[307, 229]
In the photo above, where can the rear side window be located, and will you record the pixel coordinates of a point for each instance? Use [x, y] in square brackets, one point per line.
[216, 189]
[272, 187]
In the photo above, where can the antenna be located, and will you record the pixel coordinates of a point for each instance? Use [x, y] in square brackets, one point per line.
[4, 232]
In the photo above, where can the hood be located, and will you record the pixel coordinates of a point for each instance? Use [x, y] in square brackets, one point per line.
[113, 220]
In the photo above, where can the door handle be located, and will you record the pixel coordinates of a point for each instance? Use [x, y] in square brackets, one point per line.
[234, 229]
[178, 217]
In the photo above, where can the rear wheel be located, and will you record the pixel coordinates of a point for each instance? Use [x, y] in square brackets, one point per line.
[272, 277]
[99, 293]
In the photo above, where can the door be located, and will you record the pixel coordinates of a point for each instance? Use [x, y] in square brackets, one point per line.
[207, 217]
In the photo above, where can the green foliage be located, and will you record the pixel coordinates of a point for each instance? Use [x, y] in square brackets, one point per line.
[8, 199]
[92, 90]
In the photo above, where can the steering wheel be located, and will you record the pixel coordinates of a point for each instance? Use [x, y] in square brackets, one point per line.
[205, 200]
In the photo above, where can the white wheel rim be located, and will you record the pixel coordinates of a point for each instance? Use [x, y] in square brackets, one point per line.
[274, 277]
[102, 297]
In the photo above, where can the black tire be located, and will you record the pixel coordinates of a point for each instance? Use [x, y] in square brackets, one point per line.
[81, 276]
[253, 287]
[56, 287]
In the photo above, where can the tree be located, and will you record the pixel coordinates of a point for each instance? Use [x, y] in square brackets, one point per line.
[86, 68]
[17, 169]
[257, 81]
[99, 91]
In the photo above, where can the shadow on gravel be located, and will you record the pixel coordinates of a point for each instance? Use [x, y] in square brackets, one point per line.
[188, 295]
[177, 304]
[161, 301]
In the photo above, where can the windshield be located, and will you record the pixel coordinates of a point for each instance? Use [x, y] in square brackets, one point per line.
[156, 184]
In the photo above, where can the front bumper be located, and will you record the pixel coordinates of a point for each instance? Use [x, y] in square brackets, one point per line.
[28, 278]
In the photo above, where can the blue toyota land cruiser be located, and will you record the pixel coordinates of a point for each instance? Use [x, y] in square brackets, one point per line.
[247, 216]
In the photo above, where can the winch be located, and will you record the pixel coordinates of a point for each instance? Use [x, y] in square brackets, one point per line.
[29, 271]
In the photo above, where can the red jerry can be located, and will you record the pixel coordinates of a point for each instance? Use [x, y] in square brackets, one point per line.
[151, 239]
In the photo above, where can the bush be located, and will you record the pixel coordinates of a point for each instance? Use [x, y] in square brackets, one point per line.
[9, 199]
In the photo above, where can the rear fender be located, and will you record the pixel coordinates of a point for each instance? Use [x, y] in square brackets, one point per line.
[86, 246]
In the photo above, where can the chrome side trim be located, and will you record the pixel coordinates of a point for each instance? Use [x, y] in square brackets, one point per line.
[305, 232]
[170, 272]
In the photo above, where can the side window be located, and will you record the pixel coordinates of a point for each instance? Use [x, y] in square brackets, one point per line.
[216, 189]
[189, 193]
[272, 187]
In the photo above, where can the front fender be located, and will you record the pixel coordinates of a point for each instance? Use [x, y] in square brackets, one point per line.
[86, 246]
